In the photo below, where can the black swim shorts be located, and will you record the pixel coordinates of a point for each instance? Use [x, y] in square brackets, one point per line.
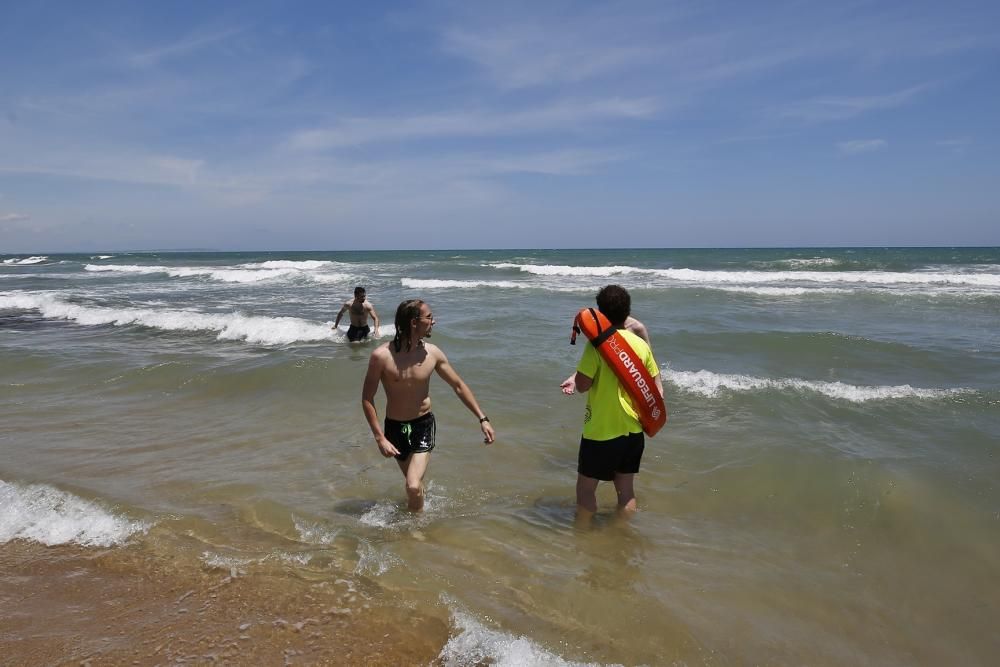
[355, 334]
[601, 459]
[413, 436]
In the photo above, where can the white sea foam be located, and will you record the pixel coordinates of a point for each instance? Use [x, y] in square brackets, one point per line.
[785, 291]
[221, 562]
[223, 275]
[373, 561]
[233, 275]
[415, 283]
[238, 564]
[306, 265]
[477, 644]
[290, 558]
[752, 278]
[330, 277]
[827, 277]
[393, 515]
[249, 273]
[101, 256]
[381, 515]
[124, 268]
[707, 383]
[798, 263]
[229, 326]
[47, 515]
[563, 270]
[314, 533]
[23, 261]
[983, 268]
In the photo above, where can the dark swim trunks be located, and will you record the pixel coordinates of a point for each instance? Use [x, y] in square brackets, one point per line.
[413, 436]
[356, 334]
[602, 459]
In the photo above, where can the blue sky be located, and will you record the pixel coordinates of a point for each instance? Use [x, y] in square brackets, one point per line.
[326, 125]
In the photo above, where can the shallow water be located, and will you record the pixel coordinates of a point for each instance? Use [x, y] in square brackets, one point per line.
[824, 492]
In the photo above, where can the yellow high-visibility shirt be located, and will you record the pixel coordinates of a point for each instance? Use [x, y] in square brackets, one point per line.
[610, 412]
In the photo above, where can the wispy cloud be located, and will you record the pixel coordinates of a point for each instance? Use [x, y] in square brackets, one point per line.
[957, 146]
[179, 49]
[114, 167]
[841, 108]
[553, 163]
[558, 117]
[14, 217]
[524, 56]
[177, 169]
[858, 146]
[265, 176]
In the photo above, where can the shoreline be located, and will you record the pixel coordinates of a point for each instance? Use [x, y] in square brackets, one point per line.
[126, 606]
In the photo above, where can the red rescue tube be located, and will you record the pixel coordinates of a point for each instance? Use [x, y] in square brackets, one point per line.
[626, 364]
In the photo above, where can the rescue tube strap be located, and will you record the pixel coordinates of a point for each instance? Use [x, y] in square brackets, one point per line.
[602, 334]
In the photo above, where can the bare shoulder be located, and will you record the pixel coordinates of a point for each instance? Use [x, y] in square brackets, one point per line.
[380, 354]
[434, 352]
[637, 327]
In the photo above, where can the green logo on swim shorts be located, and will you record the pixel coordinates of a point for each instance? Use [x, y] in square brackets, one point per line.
[406, 430]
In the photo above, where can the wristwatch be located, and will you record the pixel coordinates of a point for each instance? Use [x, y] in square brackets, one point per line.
[484, 418]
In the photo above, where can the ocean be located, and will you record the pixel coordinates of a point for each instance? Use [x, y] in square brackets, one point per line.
[186, 473]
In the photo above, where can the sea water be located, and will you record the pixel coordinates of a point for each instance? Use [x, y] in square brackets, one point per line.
[825, 491]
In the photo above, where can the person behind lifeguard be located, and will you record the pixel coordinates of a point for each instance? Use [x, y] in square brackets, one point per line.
[612, 443]
[359, 309]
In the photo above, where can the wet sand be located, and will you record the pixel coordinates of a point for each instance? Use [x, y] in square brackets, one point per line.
[69, 605]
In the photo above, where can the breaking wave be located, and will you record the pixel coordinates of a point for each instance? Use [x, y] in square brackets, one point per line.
[228, 326]
[793, 278]
[24, 261]
[476, 644]
[414, 283]
[706, 383]
[44, 514]
[250, 273]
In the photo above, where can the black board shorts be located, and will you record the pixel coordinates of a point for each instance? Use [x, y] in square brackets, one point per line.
[356, 334]
[411, 437]
[602, 459]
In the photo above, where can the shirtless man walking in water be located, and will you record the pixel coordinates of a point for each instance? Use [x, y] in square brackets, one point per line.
[404, 367]
[359, 308]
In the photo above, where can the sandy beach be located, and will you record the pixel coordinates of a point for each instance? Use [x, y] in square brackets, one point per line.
[73, 606]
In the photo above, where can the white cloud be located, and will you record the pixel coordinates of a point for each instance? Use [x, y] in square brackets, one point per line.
[174, 169]
[178, 49]
[14, 217]
[120, 167]
[553, 163]
[557, 117]
[858, 146]
[956, 146]
[523, 56]
[841, 108]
